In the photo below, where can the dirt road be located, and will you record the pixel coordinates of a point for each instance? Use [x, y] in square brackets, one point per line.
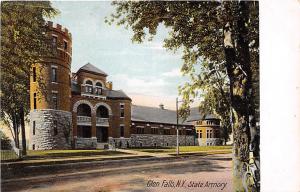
[199, 173]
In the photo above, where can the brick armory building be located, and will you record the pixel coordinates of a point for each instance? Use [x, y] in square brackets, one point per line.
[81, 110]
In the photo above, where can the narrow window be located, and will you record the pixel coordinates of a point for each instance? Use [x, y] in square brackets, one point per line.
[54, 74]
[34, 101]
[122, 131]
[65, 45]
[54, 41]
[55, 127]
[122, 110]
[54, 100]
[207, 134]
[34, 74]
[200, 134]
[33, 147]
[33, 128]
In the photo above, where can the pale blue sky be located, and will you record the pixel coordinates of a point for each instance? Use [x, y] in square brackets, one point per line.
[146, 69]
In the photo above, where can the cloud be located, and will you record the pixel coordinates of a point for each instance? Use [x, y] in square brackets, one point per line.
[148, 85]
[173, 73]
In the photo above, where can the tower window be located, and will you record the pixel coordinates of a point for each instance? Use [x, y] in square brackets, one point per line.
[33, 128]
[54, 41]
[54, 100]
[65, 45]
[34, 74]
[122, 110]
[34, 101]
[54, 74]
[122, 131]
[55, 127]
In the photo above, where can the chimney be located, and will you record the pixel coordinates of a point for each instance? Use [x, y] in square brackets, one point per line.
[161, 106]
[109, 85]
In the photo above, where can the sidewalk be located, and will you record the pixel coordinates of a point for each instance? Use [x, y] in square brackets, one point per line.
[142, 153]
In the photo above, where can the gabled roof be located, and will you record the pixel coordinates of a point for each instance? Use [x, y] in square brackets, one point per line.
[196, 115]
[155, 115]
[92, 69]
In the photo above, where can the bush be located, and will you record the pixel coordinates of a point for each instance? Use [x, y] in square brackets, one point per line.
[5, 142]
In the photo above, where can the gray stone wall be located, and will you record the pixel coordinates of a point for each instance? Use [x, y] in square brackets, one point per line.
[150, 140]
[210, 141]
[45, 122]
[119, 142]
[85, 143]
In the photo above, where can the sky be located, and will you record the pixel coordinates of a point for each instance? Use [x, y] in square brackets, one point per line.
[147, 72]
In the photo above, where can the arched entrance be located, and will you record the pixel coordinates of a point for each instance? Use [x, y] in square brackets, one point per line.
[102, 123]
[84, 125]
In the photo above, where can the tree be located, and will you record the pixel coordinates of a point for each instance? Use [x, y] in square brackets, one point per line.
[210, 83]
[219, 32]
[23, 43]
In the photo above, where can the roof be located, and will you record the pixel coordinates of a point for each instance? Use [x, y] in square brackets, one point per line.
[196, 115]
[117, 94]
[92, 69]
[155, 115]
[111, 94]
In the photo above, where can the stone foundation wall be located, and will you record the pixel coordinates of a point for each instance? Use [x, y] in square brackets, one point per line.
[45, 122]
[149, 140]
[210, 141]
[85, 143]
[119, 142]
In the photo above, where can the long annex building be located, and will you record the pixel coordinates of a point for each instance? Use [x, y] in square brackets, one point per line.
[82, 111]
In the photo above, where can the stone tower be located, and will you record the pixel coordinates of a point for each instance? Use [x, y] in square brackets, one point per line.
[50, 94]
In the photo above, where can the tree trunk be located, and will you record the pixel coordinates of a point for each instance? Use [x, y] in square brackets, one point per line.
[16, 130]
[238, 67]
[22, 118]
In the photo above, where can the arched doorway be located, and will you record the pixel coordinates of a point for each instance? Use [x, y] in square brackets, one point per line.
[84, 121]
[102, 117]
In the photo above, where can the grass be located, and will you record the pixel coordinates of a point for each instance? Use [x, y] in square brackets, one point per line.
[185, 149]
[37, 154]
[8, 155]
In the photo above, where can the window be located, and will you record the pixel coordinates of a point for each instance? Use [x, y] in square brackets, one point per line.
[54, 100]
[180, 132]
[54, 74]
[34, 101]
[209, 133]
[55, 127]
[34, 74]
[122, 131]
[33, 147]
[98, 91]
[154, 130]
[65, 45]
[98, 84]
[54, 41]
[200, 134]
[167, 132]
[140, 130]
[121, 110]
[89, 86]
[33, 128]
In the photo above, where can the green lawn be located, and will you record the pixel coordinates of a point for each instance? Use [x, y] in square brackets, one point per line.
[36, 154]
[185, 149]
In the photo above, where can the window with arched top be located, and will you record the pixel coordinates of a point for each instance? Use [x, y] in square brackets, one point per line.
[89, 86]
[98, 84]
[89, 82]
[98, 88]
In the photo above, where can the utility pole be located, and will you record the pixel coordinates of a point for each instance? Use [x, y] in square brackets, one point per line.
[177, 137]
